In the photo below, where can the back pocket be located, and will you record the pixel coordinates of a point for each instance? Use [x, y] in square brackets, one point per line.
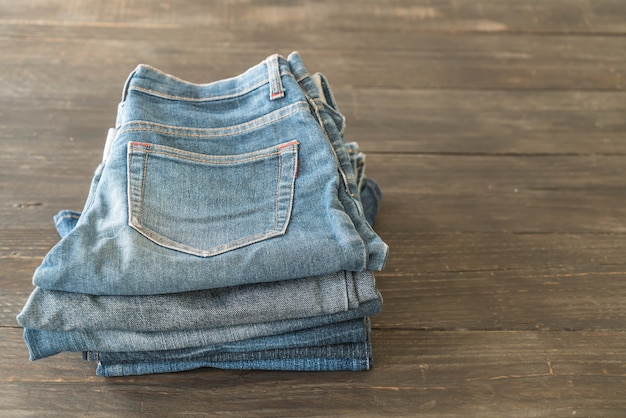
[210, 204]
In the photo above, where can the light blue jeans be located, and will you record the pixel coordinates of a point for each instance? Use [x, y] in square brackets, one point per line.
[247, 178]
[43, 312]
[228, 306]
[44, 343]
[238, 305]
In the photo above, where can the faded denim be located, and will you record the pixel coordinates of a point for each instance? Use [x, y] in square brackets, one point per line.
[229, 225]
[43, 343]
[239, 305]
[66, 311]
[248, 178]
[353, 331]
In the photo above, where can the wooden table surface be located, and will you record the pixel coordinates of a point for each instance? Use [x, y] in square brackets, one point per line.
[495, 128]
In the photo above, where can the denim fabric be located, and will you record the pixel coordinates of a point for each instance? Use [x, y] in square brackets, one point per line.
[341, 346]
[353, 331]
[44, 343]
[228, 226]
[239, 305]
[348, 357]
[65, 221]
[65, 311]
[246, 178]
[371, 195]
[327, 112]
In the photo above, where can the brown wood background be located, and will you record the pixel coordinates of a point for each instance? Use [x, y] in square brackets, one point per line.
[495, 128]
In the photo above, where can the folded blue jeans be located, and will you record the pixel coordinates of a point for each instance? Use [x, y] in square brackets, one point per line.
[229, 306]
[341, 346]
[201, 187]
[44, 343]
[247, 178]
[297, 298]
[113, 311]
[348, 357]
[352, 331]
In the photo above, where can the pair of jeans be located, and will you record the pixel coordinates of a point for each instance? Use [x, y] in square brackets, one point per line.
[228, 306]
[48, 312]
[347, 357]
[43, 343]
[239, 305]
[247, 178]
[150, 165]
[341, 335]
[339, 346]
[143, 331]
[159, 323]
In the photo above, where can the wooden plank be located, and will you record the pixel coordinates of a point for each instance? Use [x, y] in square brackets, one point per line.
[503, 282]
[542, 194]
[503, 301]
[381, 60]
[418, 255]
[556, 16]
[485, 373]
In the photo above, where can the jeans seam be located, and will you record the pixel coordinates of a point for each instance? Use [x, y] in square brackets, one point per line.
[217, 132]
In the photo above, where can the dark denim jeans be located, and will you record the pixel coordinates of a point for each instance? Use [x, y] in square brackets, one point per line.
[340, 346]
[348, 357]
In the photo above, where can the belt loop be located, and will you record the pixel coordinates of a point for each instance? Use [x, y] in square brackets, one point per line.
[277, 90]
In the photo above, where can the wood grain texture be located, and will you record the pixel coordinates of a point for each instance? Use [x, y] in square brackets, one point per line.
[429, 373]
[495, 129]
[532, 16]
[544, 194]
[420, 61]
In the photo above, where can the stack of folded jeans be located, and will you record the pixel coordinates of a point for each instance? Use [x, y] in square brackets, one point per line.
[228, 226]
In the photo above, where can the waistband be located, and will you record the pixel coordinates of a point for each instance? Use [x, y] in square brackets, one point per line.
[266, 74]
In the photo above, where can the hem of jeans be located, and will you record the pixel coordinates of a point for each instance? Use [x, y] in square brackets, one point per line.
[369, 308]
[376, 192]
[348, 298]
[33, 353]
[378, 257]
[117, 370]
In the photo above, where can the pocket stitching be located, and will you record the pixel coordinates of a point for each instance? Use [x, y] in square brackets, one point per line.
[136, 223]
